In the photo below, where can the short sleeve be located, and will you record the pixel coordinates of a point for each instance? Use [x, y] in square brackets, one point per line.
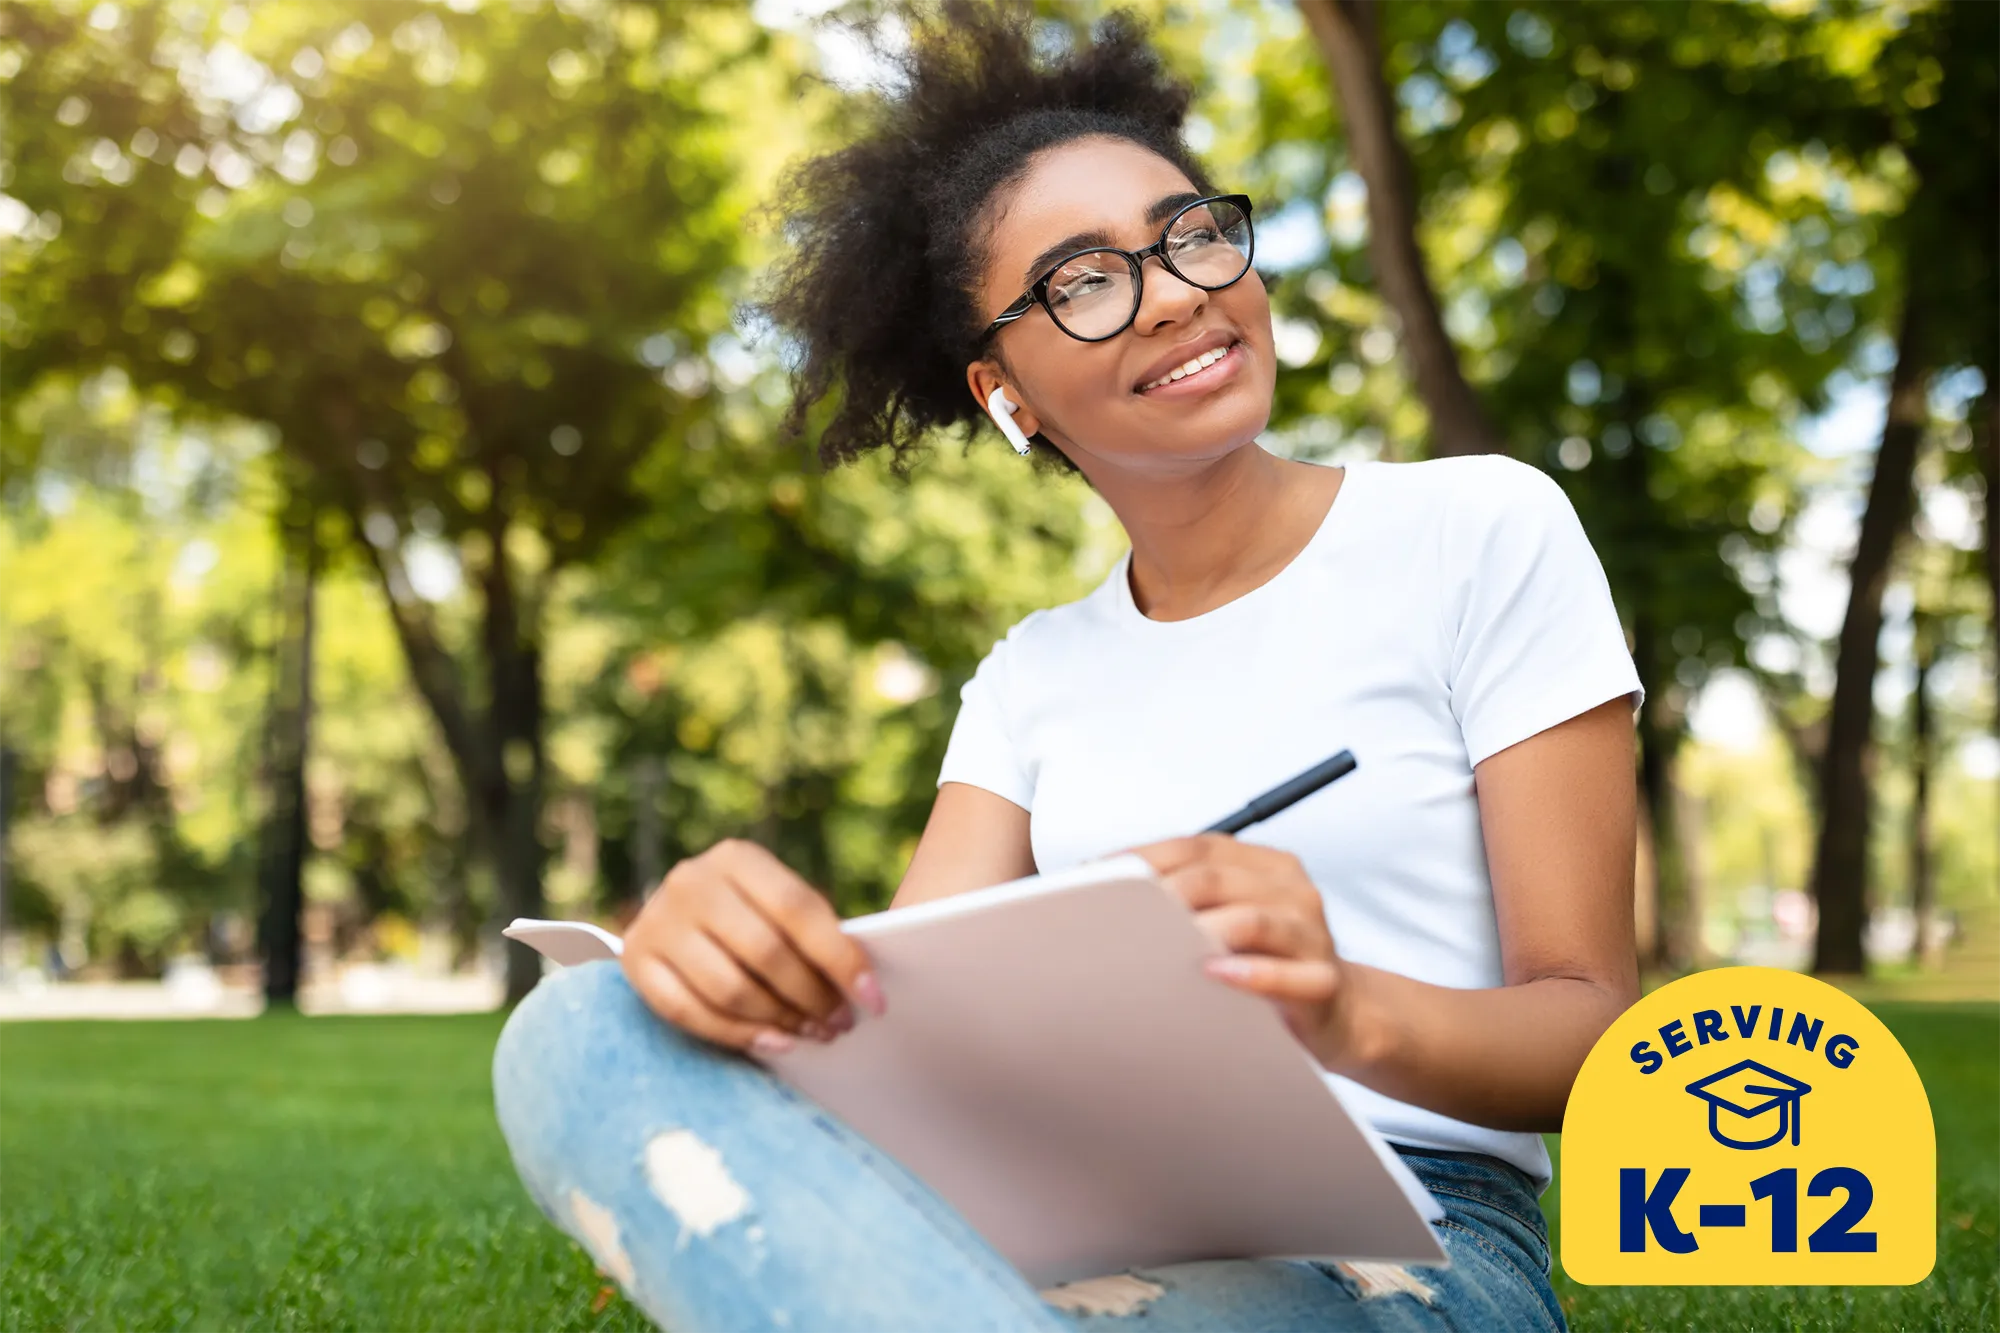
[981, 751]
[1535, 639]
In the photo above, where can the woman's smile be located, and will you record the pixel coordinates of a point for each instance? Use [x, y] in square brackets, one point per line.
[1199, 374]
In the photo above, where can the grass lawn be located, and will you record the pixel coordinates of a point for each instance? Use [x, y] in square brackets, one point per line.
[346, 1173]
[276, 1173]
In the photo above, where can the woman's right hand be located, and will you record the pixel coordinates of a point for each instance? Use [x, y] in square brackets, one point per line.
[735, 948]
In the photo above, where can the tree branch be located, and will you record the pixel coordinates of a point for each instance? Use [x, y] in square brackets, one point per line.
[1347, 36]
[1805, 741]
[1985, 417]
[431, 667]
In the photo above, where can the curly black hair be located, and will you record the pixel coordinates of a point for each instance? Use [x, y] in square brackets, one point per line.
[887, 231]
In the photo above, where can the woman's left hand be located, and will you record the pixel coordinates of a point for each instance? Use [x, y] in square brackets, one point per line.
[1258, 902]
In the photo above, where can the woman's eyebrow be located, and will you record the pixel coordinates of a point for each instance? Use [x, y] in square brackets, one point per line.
[1157, 212]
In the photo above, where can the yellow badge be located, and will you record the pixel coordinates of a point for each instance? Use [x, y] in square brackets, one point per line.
[1748, 1126]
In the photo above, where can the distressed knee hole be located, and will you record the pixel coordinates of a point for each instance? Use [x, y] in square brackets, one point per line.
[689, 1177]
[1374, 1281]
[1114, 1294]
[598, 1230]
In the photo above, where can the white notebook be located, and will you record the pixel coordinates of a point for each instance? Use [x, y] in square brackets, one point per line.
[1057, 1066]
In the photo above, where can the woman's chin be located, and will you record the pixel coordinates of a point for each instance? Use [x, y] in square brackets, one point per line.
[1185, 446]
[1209, 428]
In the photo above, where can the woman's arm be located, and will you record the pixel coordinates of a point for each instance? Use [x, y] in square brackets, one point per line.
[1560, 815]
[973, 838]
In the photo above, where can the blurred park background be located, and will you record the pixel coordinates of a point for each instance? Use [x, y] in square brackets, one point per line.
[396, 537]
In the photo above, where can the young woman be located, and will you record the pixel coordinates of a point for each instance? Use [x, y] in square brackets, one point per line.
[1446, 933]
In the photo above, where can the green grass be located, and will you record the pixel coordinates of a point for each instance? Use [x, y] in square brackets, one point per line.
[276, 1174]
[346, 1173]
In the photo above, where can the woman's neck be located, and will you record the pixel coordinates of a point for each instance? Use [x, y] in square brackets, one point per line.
[1203, 539]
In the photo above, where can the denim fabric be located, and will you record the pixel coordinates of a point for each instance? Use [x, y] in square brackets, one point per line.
[724, 1202]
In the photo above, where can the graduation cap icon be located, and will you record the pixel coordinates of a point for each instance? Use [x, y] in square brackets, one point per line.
[1739, 1098]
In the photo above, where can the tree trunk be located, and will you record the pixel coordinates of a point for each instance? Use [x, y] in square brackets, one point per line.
[1659, 741]
[1923, 886]
[1347, 34]
[1840, 861]
[1662, 721]
[1645, 891]
[514, 787]
[1805, 743]
[1985, 423]
[282, 864]
[6, 807]
[512, 805]
[497, 750]
[1690, 826]
[649, 862]
[461, 911]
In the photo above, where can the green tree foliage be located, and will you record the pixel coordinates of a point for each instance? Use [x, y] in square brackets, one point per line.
[474, 268]
[801, 666]
[1682, 306]
[138, 619]
[136, 571]
[447, 255]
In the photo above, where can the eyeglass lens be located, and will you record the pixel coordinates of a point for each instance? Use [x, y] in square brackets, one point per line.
[1095, 294]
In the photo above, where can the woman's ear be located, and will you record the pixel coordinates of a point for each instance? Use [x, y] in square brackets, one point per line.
[1001, 409]
[983, 377]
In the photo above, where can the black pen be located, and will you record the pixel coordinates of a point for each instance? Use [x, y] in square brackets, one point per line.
[1285, 794]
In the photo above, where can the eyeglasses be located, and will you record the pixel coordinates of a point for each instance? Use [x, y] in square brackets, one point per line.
[1094, 294]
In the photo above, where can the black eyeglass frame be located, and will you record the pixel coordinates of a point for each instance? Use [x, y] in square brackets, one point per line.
[1038, 293]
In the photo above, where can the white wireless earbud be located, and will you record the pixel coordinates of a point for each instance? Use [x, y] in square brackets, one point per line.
[1002, 411]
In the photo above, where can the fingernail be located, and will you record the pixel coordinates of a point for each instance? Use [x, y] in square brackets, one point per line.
[770, 1043]
[869, 992]
[812, 1031]
[842, 1019]
[1236, 969]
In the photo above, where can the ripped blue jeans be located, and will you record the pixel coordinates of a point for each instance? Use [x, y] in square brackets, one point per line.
[723, 1202]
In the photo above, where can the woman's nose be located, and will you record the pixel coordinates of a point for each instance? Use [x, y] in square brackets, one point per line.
[1165, 298]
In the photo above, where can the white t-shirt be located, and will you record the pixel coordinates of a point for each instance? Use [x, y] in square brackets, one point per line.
[1442, 612]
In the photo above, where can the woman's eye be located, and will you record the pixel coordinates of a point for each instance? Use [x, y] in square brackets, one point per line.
[1076, 288]
[1196, 237]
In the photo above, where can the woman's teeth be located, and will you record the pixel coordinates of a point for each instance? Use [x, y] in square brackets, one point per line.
[1202, 362]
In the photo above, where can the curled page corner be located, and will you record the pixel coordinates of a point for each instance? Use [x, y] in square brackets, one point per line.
[1413, 1189]
[566, 943]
